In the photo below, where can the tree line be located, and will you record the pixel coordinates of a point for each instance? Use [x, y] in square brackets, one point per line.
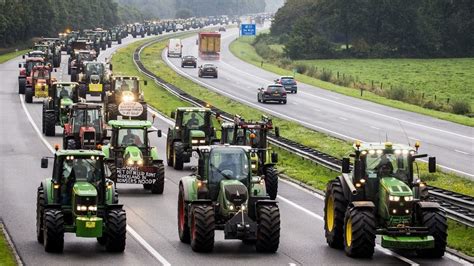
[375, 28]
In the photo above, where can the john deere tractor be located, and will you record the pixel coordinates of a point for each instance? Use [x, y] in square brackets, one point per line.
[193, 128]
[383, 195]
[130, 157]
[254, 134]
[79, 199]
[125, 97]
[57, 106]
[223, 195]
[84, 128]
[93, 78]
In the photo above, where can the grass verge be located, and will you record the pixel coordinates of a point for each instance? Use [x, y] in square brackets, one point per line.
[243, 49]
[9, 56]
[461, 237]
[292, 165]
[6, 254]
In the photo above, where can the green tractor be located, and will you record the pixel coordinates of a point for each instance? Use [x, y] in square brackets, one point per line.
[125, 97]
[57, 106]
[193, 128]
[130, 157]
[383, 195]
[79, 199]
[223, 195]
[93, 77]
[254, 134]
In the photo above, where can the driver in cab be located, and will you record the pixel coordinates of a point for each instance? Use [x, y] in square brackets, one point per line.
[131, 138]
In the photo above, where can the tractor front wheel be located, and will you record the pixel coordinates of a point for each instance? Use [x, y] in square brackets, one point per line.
[53, 231]
[268, 230]
[49, 124]
[202, 228]
[73, 75]
[335, 206]
[144, 115]
[159, 183]
[178, 155]
[82, 91]
[183, 226]
[359, 233]
[71, 144]
[21, 85]
[40, 201]
[271, 181]
[116, 231]
[29, 94]
[112, 111]
[169, 151]
[437, 225]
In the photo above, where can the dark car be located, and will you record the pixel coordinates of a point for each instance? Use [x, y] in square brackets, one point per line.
[207, 70]
[222, 29]
[289, 83]
[273, 93]
[189, 60]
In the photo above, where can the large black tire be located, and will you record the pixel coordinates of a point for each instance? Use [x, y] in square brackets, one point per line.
[268, 230]
[73, 75]
[359, 233]
[119, 41]
[112, 111]
[82, 91]
[178, 155]
[21, 85]
[202, 228]
[437, 225]
[53, 231]
[159, 183]
[49, 124]
[103, 46]
[43, 112]
[113, 171]
[70, 145]
[40, 202]
[271, 181]
[144, 115]
[116, 231]
[335, 206]
[183, 226]
[29, 94]
[169, 150]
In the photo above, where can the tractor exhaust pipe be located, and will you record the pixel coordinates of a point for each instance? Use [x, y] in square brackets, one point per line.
[349, 183]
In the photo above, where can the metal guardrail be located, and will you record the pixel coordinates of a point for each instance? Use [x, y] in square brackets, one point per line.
[457, 206]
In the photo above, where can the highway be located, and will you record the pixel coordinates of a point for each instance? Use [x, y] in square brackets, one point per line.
[335, 114]
[152, 224]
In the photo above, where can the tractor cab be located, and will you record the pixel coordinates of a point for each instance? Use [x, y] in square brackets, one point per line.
[57, 106]
[84, 128]
[38, 83]
[93, 78]
[125, 93]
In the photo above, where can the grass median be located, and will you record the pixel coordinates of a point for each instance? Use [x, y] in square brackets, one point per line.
[292, 165]
[6, 254]
[463, 78]
[9, 56]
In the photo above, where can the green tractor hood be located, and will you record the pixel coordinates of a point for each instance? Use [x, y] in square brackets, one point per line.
[133, 153]
[395, 187]
[84, 189]
[233, 194]
[197, 134]
[65, 102]
[395, 201]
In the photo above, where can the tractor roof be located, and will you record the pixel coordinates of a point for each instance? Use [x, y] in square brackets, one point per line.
[130, 123]
[383, 146]
[87, 106]
[125, 77]
[225, 146]
[66, 83]
[79, 153]
[193, 109]
[228, 125]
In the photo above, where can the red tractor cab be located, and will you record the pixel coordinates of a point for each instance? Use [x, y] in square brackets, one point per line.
[85, 128]
[38, 83]
[25, 71]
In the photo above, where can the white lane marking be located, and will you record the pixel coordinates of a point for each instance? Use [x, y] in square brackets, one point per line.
[291, 264]
[334, 97]
[343, 118]
[319, 217]
[147, 246]
[457, 259]
[412, 138]
[130, 230]
[376, 128]
[316, 109]
[462, 152]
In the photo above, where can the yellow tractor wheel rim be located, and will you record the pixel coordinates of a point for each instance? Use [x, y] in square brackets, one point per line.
[349, 232]
[330, 213]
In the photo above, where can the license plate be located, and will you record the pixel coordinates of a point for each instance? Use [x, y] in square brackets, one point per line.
[276, 94]
[90, 224]
[95, 87]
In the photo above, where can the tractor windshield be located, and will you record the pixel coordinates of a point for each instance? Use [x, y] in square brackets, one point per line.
[127, 85]
[94, 68]
[64, 91]
[86, 118]
[85, 57]
[194, 120]
[378, 165]
[131, 136]
[41, 48]
[41, 74]
[81, 169]
[228, 163]
[248, 137]
[31, 64]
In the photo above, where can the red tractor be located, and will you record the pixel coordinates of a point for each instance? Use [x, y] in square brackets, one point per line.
[85, 128]
[38, 83]
[25, 71]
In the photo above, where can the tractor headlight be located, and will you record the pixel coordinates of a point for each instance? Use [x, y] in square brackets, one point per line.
[202, 141]
[127, 98]
[243, 207]
[130, 162]
[92, 208]
[81, 208]
[140, 162]
[231, 206]
[408, 198]
[194, 141]
[254, 166]
[394, 198]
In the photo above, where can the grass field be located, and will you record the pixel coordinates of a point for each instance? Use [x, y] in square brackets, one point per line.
[243, 49]
[6, 256]
[292, 165]
[8, 56]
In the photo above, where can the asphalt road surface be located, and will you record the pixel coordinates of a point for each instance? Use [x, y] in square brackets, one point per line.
[152, 221]
[338, 115]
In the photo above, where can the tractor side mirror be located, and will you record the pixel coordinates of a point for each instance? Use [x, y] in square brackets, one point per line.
[158, 133]
[277, 132]
[19, 65]
[145, 82]
[55, 70]
[44, 162]
[23, 56]
[274, 157]
[111, 67]
[345, 165]
[173, 115]
[432, 164]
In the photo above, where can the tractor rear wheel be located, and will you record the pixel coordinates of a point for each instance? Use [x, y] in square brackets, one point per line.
[359, 233]
[178, 154]
[202, 228]
[116, 231]
[53, 231]
[159, 183]
[112, 111]
[49, 124]
[113, 171]
[43, 112]
[183, 226]
[169, 151]
[268, 230]
[73, 75]
[28, 94]
[144, 115]
[335, 206]
[437, 225]
[119, 41]
[40, 202]
[71, 144]
[271, 181]
[21, 85]
[82, 91]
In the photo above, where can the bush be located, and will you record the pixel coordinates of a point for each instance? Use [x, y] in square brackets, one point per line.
[301, 68]
[284, 63]
[312, 71]
[432, 105]
[461, 107]
[325, 75]
[397, 93]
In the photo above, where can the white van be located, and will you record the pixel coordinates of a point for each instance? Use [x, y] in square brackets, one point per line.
[175, 48]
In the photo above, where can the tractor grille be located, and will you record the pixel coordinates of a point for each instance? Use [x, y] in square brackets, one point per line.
[237, 194]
